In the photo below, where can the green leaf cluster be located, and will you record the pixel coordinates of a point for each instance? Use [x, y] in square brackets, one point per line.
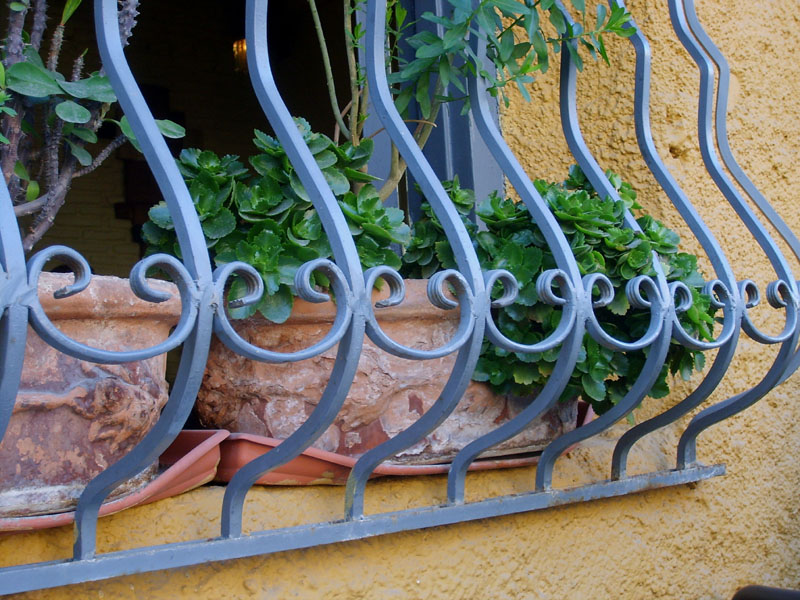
[601, 243]
[56, 101]
[262, 214]
[429, 251]
[518, 45]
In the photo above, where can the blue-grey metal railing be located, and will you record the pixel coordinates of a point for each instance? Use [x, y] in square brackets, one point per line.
[203, 312]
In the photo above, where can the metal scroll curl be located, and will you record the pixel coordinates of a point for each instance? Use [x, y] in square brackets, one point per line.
[255, 288]
[139, 285]
[436, 294]
[544, 289]
[720, 298]
[779, 295]
[642, 293]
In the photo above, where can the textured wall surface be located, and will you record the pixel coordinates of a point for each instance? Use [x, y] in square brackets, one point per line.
[689, 542]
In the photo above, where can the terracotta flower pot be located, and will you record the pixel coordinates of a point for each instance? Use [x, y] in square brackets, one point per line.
[72, 419]
[388, 393]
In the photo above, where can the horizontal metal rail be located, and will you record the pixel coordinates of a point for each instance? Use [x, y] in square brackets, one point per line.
[202, 295]
[173, 556]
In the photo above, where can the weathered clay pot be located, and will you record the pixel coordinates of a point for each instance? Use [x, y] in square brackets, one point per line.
[72, 419]
[387, 396]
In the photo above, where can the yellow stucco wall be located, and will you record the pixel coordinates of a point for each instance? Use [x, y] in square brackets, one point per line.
[699, 542]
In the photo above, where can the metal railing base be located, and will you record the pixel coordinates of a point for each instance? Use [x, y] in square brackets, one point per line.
[171, 556]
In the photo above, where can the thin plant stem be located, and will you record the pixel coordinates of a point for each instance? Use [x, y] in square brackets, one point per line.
[102, 156]
[39, 23]
[421, 135]
[128, 11]
[363, 104]
[55, 47]
[374, 133]
[326, 62]
[352, 67]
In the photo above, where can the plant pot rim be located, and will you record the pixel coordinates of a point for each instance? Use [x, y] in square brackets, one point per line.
[415, 304]
[111, 297]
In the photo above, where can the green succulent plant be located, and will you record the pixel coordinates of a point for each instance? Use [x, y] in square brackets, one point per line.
[601, 243]
[263, 216]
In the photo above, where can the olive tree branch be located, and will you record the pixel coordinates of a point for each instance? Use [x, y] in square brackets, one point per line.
[28, 208]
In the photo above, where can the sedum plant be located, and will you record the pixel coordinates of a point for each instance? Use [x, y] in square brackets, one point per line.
[263, 216]
[601, 243]
[260, 214]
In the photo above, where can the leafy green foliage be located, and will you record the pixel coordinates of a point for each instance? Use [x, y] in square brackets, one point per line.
[265, 217]
[601, 243]
[429, 251]
[70, 101]
[518, 45]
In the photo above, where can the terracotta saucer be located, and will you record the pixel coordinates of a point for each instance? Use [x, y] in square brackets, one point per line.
[319, 467]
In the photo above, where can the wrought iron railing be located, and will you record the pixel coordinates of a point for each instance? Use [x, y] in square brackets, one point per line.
[203, 313]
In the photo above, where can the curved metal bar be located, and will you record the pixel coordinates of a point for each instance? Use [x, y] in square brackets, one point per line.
[644, 382]
[545, 400]
[436, 294]
[570, 124]
[197, 264]
[633, 289]
[465, 256]
[347, 280]
[13, 316]
[228, 335]
[724, 148]
[725, 288]
[710, 158]
[687, 444]
[573, 297]
[544, 289]
[661, 311]
[63, 343]
[721, 129]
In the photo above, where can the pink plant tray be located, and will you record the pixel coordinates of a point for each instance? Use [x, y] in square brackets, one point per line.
[315, 467]
[319, 467]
